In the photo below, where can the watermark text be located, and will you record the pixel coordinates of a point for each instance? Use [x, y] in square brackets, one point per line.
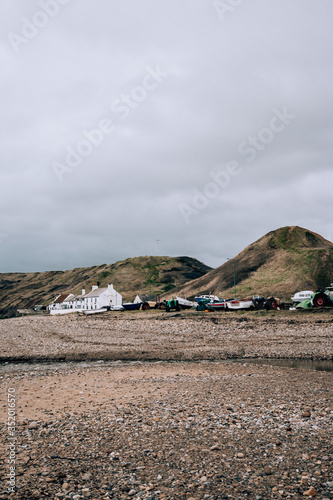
[31, 27]
[74, 155]
[11, 445]
[226, 7]
[249, 148]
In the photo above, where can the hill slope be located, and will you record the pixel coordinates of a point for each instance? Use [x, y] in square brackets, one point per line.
[130, 277]
[280, 263]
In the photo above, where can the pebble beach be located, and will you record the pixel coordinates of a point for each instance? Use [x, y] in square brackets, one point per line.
[152, 407]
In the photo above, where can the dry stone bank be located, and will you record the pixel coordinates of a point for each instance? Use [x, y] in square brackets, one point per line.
[162, 336]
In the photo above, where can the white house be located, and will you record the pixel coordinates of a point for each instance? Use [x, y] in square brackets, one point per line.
[60, 302]
[77, 302]
[101, 297]
[96, 299]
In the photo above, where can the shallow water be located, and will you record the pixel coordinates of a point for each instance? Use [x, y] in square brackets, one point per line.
[60, 365]
[304, 364]
[307, 364]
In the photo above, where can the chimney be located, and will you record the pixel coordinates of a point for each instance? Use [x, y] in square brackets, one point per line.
[94, 287]
[110, 286]
[83, 291]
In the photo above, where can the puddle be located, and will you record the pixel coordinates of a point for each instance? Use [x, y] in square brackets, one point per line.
[307, 364]
[8, 367]
[304, 364]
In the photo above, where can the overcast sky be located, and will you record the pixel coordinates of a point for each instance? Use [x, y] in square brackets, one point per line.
[202, 124]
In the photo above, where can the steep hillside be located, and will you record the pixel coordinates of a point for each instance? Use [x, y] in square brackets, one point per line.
[280, 263]
[139, 275]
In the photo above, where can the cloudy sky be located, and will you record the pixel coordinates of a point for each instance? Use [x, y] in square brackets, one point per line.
[175, 127]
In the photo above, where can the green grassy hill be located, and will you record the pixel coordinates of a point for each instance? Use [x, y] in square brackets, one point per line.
[280, 263]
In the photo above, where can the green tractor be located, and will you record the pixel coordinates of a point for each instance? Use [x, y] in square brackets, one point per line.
[318, 299]
[323, 299]
[171, 304]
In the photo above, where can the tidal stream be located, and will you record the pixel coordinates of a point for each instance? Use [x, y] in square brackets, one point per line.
[304, 364]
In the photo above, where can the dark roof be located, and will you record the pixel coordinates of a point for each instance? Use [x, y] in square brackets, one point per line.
[61, 298]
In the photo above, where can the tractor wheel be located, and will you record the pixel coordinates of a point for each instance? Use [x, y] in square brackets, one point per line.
[145, 306]
[272, 304]
[320, 300]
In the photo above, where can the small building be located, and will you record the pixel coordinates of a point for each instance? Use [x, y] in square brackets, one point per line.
[77, 302]
[101, 297]
[60, 302]
[96, 299]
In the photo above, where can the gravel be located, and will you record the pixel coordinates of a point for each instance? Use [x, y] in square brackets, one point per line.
[162, 336]
[170, 430]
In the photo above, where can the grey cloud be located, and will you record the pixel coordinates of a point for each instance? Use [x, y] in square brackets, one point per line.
[224, 80]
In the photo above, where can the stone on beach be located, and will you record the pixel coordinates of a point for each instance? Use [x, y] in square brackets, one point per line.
[184, 430]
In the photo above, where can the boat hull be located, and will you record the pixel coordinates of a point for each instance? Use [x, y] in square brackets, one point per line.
[184, 303]
[93, 311]
[206, 298]
[302, 296]
[116, 308]
[216, 306]
[239, 304]
[131, 306]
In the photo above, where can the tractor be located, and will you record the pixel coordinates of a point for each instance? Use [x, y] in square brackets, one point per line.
[323, 299]
[171, 304]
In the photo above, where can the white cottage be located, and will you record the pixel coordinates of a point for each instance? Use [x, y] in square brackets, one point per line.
[96, 299]
[61, 302]
[101, 297]
[77, 302]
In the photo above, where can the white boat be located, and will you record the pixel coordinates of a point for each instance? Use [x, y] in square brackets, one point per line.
[93, 311]
[239, 304]
[201, 298]
[300, 296]
[217, 305]
[117, 308]
[184, 303]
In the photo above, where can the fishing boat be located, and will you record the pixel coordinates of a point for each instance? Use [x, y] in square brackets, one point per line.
[131, 306]
[301, 296]
[184, 303]
[217, 305]
[116, 308]
[206, 298]
[235, 304]
[94, 311]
